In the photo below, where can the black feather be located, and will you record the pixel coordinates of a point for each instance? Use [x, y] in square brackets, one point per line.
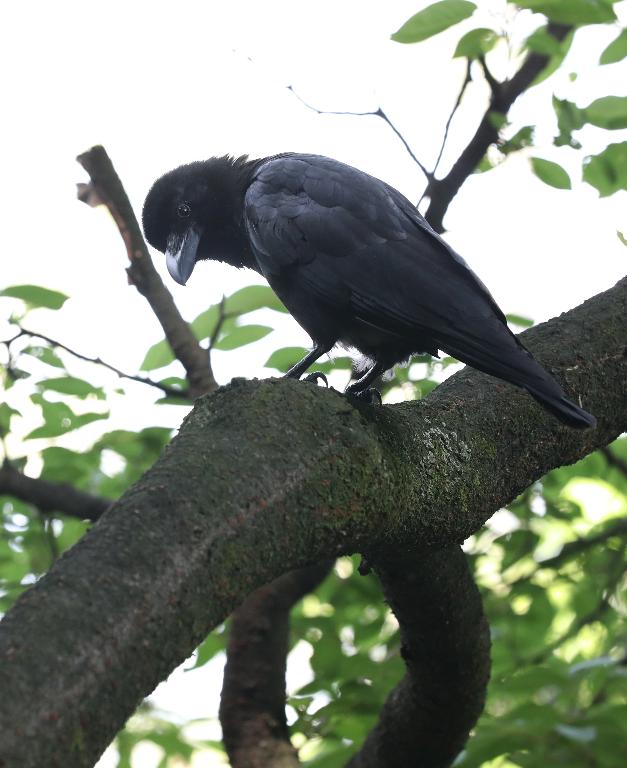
[353, 261]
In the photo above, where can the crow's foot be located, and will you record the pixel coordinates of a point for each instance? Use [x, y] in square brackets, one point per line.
[371, 396]
[316, 376]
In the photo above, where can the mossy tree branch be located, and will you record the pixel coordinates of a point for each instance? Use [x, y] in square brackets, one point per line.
[165, 563]
[446, 647]
[252, 708]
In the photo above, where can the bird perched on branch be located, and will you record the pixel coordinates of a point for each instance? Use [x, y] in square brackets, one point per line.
[352, 260]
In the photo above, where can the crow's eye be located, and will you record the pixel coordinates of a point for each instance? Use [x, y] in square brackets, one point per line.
[183, 210]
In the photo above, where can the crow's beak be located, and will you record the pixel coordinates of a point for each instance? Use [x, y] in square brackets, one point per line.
[181, 254]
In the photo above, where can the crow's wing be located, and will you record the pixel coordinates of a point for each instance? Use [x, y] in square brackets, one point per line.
[356, 241]
[361, 248]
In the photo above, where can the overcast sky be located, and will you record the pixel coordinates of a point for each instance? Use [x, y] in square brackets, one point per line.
[160, 84]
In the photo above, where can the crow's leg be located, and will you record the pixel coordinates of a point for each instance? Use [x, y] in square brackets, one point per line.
[296, 371]
[360, 387]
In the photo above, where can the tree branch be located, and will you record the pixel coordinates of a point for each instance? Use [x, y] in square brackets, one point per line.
[446, 646]
[442, 191]
[379, 112]
[165, 564]
[169, 391]
[616, 572]
[51, 497]
[252, 710]
[447, 127]
[106, 188]
[573, 548]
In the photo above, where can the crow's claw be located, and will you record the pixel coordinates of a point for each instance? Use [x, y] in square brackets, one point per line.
[316, 376]
[371, 396]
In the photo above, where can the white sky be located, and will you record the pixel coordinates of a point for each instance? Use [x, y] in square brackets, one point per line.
[160, 84]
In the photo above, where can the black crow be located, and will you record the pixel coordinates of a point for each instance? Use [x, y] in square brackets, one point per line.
[352, 260]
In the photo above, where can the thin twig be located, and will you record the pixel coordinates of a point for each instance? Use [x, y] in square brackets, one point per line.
[442, 191]
[379, 112]
[222, 316]
[169, 391]
[458, 101]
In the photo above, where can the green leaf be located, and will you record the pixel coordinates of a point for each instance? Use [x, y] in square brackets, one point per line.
[574, 12]
[69, 385]
[59, 419]
[64, 466]
[174, 381]
[476, 43]
[434, 19]
[607, 171]
[616, 50]
[204, 325]
[46, 355]
[6, 413]
[621, 237]
[521, 139]
[484, 165]
[550, 173]
[523, 322]
[159, 355]
[243, 334]
[36, 296]
[569, 118]
[55, 430]
[252, 297]
[213, 643]
[498, 119]
[555, 59]
[608, 112]
[283, 359]
[542, 41]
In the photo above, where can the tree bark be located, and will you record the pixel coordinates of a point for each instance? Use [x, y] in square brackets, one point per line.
[252, 708]
[446, 646]
[269, 476]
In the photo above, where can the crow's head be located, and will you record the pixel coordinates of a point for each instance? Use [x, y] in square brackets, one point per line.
[195, 212]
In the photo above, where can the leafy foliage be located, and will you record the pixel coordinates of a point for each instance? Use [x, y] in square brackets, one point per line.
[550, 173]
[616, 50]
[36, 296]
[551, 567]
[607, 171]
[434, 19]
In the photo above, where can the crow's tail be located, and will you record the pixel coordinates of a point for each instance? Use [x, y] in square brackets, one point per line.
[510, 360]
[565, 410]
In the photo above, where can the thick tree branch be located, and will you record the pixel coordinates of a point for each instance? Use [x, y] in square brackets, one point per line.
[51, 497]
[446, 646]
[442, 191]
[165, 564]
[195, 360]
[105, 187]
[252, 710]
